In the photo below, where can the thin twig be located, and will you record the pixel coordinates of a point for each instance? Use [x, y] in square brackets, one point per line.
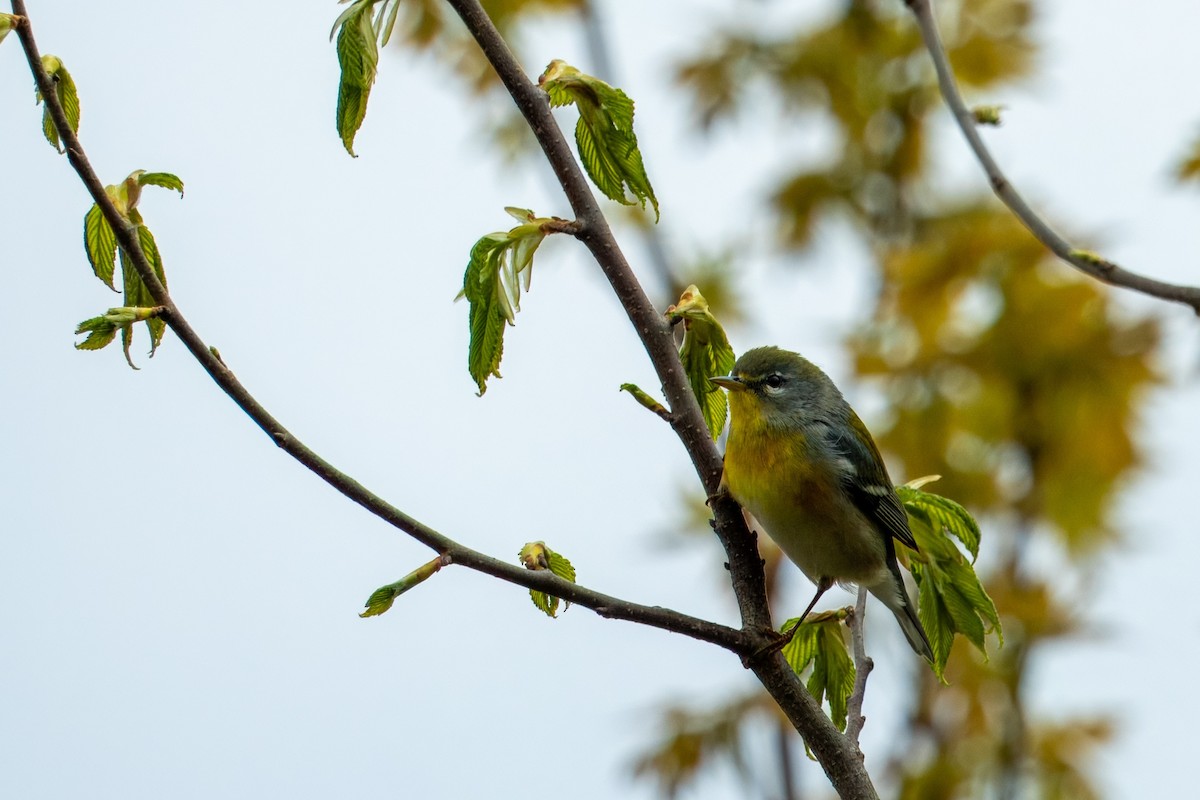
[605, 605]
[1087, 262]
[862, 668]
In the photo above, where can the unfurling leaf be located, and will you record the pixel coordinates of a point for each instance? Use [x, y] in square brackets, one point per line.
[705, 354]
[500, 267]
[382, 598]
[68, 98]
[103, 329]
[164, 179]
[951, 598]
[537, 556]
[358, 58]
[645, 400]
[987, 115]
[100, 243]
[7, 21]
[820, 641]
[604, 133]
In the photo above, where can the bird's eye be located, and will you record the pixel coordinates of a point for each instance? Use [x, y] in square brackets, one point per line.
[774, 381]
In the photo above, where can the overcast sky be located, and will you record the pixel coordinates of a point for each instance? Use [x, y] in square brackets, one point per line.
[178, 599]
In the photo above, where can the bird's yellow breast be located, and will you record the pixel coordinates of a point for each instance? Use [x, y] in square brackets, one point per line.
[800, 501]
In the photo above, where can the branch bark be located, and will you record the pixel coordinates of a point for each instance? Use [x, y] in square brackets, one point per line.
[1089, 263]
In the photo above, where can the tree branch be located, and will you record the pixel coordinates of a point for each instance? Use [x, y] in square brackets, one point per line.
[837, 755]
[1087, 262]
[610, 607]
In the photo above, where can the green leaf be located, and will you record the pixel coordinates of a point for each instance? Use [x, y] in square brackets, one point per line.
[537, 556]
[951, 598]
[500, 267]
[6, 24]
[101, 245]
[604, 134]
[821, 643]
[137, 294]
[100, 331]
[164, 179]
[382, 598]
[68, 98]
[705, 354]
[103, 329]
[358, 58]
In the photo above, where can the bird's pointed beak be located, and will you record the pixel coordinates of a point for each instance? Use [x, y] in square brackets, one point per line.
[730, 382]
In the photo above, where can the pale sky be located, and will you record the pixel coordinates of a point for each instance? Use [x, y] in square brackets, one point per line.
[179, 600]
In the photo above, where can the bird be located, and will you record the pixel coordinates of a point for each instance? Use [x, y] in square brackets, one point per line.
[805, 466]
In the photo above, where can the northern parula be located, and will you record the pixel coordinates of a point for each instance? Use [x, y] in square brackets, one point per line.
[801, 461]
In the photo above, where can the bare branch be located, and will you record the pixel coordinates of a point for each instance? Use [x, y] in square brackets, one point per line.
[1085, 261]
[610, 607]
[862, 668]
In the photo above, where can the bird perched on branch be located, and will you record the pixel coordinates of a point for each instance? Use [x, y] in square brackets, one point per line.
[801, 461]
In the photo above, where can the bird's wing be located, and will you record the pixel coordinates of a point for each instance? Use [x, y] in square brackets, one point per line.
[868, 483]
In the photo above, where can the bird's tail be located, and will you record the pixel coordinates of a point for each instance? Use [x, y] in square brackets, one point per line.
[893, 594]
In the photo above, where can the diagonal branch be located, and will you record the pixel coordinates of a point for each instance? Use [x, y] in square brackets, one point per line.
[1085, 261]
[837, 755]
[610, 607]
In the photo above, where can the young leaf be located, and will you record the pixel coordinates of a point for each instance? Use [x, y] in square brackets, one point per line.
[101, 245]
[645, 400]
[705, 354]
[537, 556]
[358, 58]
[164, 179]
[500, 267]
[820, 641]
[382, 598]
[604, 133]
[6, 24]
[103, 329]
[951, 598]
[68, 98]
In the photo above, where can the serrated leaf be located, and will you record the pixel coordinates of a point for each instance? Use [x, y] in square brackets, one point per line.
[68, 98]
[821, 644]
[101, 244]
[705, 354]
[604, 135]
[358, 58]
[537, 556]
[951, 598]
[382, 598]
[501, 263]
[164, 179]
[103, 329]
[100, 331]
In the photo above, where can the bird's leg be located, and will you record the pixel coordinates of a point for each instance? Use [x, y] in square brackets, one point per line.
[823, 586]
